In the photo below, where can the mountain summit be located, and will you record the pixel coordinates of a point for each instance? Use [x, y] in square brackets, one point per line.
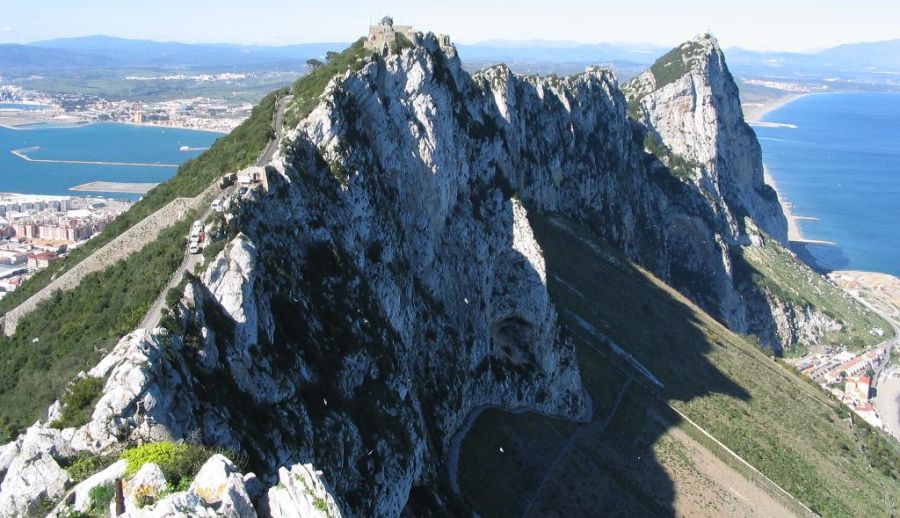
[383, 282]
[690, 105]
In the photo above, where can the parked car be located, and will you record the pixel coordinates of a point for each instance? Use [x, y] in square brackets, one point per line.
[194, 247]
[217, 206]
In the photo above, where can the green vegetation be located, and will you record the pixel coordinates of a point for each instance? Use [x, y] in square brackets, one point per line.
[85, 464]
[779, 273]
[679, 166]
[78, 402]
[320, 504]
[237, 150]
[673, 65]
[400, 42]
[101, 496]
[308, 88]
[71, 331]
[74, 329]
[786, 428]
[634, 109]
[178, 461]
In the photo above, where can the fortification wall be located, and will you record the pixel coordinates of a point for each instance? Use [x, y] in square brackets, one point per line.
[129, 242]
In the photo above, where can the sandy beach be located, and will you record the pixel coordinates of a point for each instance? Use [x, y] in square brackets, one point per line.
[881, 290]
[794, 233]
[754, 112]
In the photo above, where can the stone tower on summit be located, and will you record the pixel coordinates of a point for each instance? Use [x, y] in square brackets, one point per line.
[385, 32]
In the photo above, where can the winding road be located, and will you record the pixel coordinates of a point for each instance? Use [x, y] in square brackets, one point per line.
[154, 314]
[278, 126]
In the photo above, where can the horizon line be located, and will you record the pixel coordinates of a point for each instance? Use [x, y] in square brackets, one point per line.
[483, 43]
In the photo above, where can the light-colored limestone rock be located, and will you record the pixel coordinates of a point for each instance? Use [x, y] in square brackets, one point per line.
[221, 486]
[33, 478]
[145, 487]
[82, 491]
[300, 493]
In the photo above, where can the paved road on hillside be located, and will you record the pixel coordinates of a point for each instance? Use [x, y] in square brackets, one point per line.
[892, 344]
[190, 261]
[278, 125]
[152, 318]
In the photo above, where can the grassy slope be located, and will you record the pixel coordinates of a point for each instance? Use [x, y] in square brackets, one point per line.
[75, 328]
[787, 429]
[307, 89]
[778, 272]
[70, 332]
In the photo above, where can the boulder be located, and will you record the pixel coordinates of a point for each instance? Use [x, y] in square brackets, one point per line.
[145, 487]
[220, 485]
[81, 493]
[300, 493]
[34, 480]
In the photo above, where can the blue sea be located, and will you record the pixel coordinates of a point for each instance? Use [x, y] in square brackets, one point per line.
[841, 165]
[93, 143]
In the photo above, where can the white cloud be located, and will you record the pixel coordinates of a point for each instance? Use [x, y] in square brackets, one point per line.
[7, 29]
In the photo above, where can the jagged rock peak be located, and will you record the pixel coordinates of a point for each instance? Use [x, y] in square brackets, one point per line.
[691, 56]
[690, 106]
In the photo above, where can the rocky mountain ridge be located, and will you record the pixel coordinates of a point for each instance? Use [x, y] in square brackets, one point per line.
[388, 282]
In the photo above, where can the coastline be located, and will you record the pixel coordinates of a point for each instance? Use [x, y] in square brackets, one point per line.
[794, 233]
[32, 123]
[881, 291]
[756, 112]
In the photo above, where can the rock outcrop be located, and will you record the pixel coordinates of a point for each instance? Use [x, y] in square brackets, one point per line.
[690, 102]
[301, 494]
[33, 478]
[387, 283]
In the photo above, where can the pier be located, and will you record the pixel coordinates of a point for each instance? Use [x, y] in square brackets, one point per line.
[21, 153]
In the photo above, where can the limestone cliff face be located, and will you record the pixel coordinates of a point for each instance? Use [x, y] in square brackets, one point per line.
[690, 102]
[388, 283]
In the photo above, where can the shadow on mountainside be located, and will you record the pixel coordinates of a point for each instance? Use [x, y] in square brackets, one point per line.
[377, 342]
[622, 463]
[823, 258]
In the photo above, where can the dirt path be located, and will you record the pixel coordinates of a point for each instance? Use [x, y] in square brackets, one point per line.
[596, 427]
[712, 480]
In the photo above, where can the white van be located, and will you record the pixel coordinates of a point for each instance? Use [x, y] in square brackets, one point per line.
[217, 206]
[197, 227]
[194, 248]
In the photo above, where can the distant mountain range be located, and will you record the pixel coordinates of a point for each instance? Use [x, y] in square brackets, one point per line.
[111, 52]
[870, 59]
[852, 59]
[560, 51]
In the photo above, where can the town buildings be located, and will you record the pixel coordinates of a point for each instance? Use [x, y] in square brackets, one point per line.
[36, 231]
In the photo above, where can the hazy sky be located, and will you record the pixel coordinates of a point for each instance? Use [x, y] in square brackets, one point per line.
[758, 24]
